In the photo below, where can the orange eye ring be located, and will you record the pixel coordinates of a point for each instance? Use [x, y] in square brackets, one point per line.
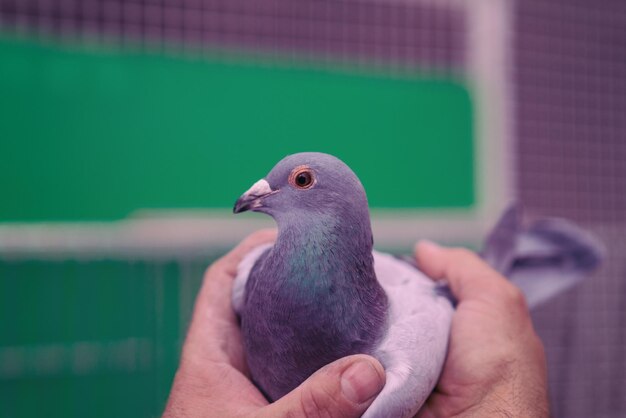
[302, 177]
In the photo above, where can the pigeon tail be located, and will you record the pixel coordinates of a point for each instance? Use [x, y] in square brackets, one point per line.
[544, 259]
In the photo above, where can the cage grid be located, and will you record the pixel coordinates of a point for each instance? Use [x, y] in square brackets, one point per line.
[568, 76]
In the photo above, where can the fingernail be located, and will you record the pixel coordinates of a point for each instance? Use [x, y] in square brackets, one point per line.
[360, 382]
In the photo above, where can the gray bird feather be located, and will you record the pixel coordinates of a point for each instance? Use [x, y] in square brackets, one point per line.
[543, 260]
[414, 347]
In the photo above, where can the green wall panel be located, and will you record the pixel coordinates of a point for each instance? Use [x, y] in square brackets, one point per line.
[94, 133]
[95, 337]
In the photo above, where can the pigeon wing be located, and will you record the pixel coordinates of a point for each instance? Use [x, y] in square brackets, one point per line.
[243, 272]
[414, 347]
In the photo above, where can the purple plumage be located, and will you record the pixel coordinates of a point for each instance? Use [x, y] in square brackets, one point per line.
[300, 296]
[320, 293]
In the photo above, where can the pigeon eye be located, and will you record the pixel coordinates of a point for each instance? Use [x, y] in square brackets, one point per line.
[301, 178]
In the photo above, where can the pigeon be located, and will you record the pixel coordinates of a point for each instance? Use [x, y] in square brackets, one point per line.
[321, 292]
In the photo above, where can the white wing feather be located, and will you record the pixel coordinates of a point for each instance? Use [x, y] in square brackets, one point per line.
[243, 271]
[414, 348]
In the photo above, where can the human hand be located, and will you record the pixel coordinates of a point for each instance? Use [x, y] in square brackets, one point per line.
[213, 381]
[495, 364]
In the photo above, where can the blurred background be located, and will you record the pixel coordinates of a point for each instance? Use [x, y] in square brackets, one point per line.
[129, 128]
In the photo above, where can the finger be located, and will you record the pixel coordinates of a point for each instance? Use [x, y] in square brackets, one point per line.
[345, 388]
[469, 277]
[231, 260]
[218, 279]
[216, 289]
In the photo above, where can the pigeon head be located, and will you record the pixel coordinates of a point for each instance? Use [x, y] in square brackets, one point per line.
[304, 185]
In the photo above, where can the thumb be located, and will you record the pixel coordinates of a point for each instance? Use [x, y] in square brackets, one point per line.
[344, 388]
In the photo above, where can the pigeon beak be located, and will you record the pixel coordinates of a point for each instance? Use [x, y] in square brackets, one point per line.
[253, 198]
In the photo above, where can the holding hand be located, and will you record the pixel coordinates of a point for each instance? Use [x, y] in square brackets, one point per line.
[496, 364]
[212, 380]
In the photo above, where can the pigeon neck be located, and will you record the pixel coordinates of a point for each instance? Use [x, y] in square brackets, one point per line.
[339, 241]
[315, 298]
[330, 258]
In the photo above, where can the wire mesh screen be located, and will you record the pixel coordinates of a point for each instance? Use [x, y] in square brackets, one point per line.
[110, 344]
[569, 79]
[570, 83]
[91, 336]
[398, 33]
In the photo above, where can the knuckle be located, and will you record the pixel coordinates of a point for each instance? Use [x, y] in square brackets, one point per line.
[515, 297]
[216, 270]
[210, 271]
[315, 403]
[513, 302]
